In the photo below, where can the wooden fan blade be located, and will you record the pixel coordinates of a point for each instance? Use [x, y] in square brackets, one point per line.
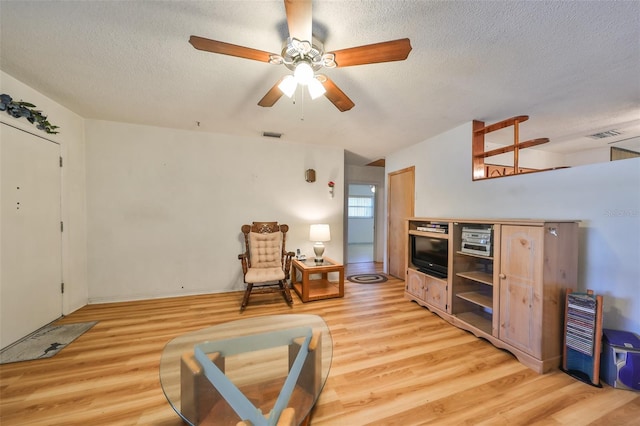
[337, 96]
[387, 51]
[272, 96]
[223, 48]
[299, 19]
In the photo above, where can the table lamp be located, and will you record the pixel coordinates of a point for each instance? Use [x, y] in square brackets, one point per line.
[319, 233]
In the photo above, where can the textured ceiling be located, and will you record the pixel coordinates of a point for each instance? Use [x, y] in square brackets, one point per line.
[572, 66]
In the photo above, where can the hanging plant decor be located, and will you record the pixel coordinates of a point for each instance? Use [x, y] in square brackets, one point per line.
[331, 184]
[25, 109]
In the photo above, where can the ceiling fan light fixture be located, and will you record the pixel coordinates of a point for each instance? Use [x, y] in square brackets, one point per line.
[288, 85]
[316, 89]
[303, 73]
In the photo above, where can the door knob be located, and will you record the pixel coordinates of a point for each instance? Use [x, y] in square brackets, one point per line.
[502, 276]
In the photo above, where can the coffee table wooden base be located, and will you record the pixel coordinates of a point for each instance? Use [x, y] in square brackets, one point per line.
[240, 370]
[310, 289]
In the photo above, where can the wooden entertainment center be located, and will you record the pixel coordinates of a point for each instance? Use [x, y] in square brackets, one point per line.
[512, 295]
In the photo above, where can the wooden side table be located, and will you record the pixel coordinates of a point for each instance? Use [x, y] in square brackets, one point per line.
[317, 288]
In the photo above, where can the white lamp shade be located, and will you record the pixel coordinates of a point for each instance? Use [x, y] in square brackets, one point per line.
[320, 232]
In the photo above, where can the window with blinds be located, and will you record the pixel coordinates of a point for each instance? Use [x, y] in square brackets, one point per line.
[360, 207]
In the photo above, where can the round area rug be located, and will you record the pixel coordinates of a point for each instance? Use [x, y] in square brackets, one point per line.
[367, 278]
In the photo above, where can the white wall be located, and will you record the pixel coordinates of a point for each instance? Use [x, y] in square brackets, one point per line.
[605, 197]
[165, 206]
[71, 139]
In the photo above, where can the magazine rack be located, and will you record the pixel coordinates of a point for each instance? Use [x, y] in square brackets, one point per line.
[583, 336]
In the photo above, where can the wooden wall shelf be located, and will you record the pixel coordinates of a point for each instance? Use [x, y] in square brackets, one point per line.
[479, 168]
[509, 148]
[501, 124]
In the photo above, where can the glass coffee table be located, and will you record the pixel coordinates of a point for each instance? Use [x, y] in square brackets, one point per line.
[266, 370]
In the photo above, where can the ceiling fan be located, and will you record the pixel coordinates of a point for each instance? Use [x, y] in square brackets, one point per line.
[305, 55]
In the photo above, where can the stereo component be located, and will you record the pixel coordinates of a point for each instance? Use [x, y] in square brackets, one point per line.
[439, 227]
[476, 241]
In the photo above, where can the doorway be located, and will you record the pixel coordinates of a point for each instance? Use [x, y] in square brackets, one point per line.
[361, 220]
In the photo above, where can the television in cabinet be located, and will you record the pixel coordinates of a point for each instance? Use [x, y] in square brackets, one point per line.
[429, 262]
[430, 255]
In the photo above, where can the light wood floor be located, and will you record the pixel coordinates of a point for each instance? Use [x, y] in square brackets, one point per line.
[394, 363]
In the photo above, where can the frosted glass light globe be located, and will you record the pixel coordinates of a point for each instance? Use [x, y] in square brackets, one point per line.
[303, 73]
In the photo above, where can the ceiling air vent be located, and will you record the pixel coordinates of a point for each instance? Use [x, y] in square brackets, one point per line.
[272, 135]
[605, 134]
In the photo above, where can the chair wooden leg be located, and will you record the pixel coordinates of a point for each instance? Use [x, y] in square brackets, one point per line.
[286, 293]
[245, 299]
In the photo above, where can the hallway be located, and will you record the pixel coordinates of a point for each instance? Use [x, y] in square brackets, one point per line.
[360, 252]
[363, 268]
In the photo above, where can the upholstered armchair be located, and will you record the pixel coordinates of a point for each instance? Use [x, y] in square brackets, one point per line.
[265, 262]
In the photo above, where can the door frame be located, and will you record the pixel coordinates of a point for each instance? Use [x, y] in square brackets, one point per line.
[376, 217]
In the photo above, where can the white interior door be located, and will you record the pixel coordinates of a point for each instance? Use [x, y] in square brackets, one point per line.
[30, 235]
